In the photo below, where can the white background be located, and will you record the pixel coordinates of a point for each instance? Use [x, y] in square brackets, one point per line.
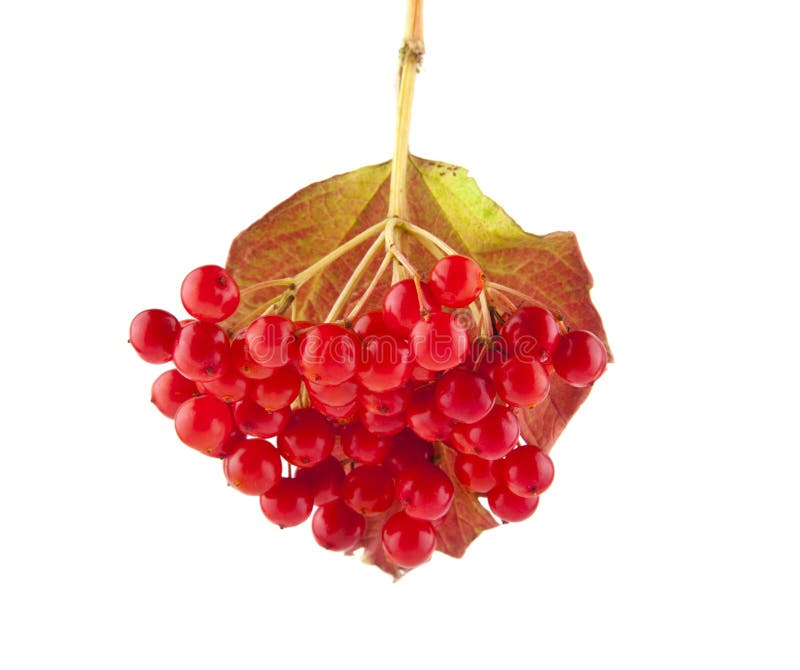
[139, 138]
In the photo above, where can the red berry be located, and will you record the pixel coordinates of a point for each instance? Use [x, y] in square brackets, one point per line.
[170, 390]
[401, 308]
[230, 387]
[328, 354]
[307, 439]
[580, 358]
[370, 323]
[389, 403]
[243, 363]
[325, 479]
[420, 375]
[209, 293]
[526, 471]
[424, 491]
[491, 438]
[203, 422]
[384, 363]
[277, 390]
[254, 467]
[424, 417]
[255, 420]
[522, 383]
[271, 341]
[288, 503]
[408, 542]
[152, 335]
[201, 351]
[334, 396]
[463, 395]
[474, 472]
[362, 446]
[486, 354]
[337, 527]
[368, 489]
[456, 281]
[407, 450]
[440, 343]
[511, 507]
[229, 445]
[382, 425]
[343, 414]
[531, 333]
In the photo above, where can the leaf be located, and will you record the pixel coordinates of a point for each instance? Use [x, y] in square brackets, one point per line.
[446, 201]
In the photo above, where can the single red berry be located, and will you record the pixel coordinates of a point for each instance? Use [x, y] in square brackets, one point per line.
[407, 449]
[337, 527]
[325, 479]
[526, 471]
[580, 358]
[531, 333]
[509, 506]
[271, 341]
[307, 439]
[474, 472]
[362, 446]
[202, 352]
[253, 419]
[203, 422]
[424, 491]
[388, 403]
[408, 542]
[344, 414]
[153, 333]
[424, 417]
[230, 387]
[464, 395]
[440, 343]
[522, 383]
[420, 375]
[368, 489]
[485, 354]
[277, 390]
[328, 354]
[288, 503]
[230, 444]
[243, 363]
[456, 281]
[382, 425]
[401, 308]
[370, 323]
[170, 390]
[334, 396]
[384, 363]
[209, 293]
[491, 438]
[254, 467]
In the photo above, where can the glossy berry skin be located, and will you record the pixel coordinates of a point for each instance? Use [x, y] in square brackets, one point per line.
[307, 439]
[328, 354]
[271, 341]
[203, 423]
[370, 323]
[253, 468]
[324, 479]
[201, 351]
[384, 363]
[388, 403]
[344, 414]
[229, 445]
[253, 419]
[424, 417]
[522, 383]
[408, 542]
[362, 446]
[531, 333]
[526, 471]
[243, 363]
[440, 343]
[334, 396]
[464, 395]
[382, 425]
[278, 390]
[152, 334]
[580, 358]
[230, 387]
[368, 489]
[401, 308]
[170, 390]
[474, 472]
[210, 294]
[456, 281]
[337, 527]
[491, 438]
[288, 503]
[424, 491]
[407, 449]
[511, 507]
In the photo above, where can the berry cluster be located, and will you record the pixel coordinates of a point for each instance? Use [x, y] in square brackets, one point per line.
[356, 407]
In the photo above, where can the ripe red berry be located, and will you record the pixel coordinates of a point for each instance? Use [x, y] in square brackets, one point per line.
[254, 467]
[209, 293]
[230, 387]
[255, 420]
[531, 333]
[474, 472]
[526, 471]
[334, 396]
[337, 527]
[288, 503]
[580, 358]
[368, 489]
[522, 383]
[491, 438]
[408, 542]
[407, 449]
[440, 343]
[382, 425]
[229, 445]
[456, 281]
[343, 415]
[324, 479]
[362, 446]
[424, 417]
[203, 422]
[328, 354]
[370, 323]
[243, 363]
[511, 507]
[277, 390]
[152, 335]
[384, 363]
[271, 341]
[464, 395]
[401, 308]
[307, 439]
[424, 491]
[389, 403]
[201, 351]
[170, 390]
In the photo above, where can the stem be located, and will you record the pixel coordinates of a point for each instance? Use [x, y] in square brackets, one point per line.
[423, 234]
[365, 296]
[358, 273]
[286, 281]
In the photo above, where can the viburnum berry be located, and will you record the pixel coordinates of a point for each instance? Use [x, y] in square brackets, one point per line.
[328, 354]
[370, 323]
[242, 362]
[337, 527]
[229, 445]
[509, 506]
[368, 489]
[334, 396]
[526, 471]
[253, 419]
[230, 387]
[456, 281]
[407, 449]
[402, 309]
[424, 491]
[271, 341]
[474, 472]
[170, 390]
[491, 438]
[307, 438]
[343, 414]
[425, 418]
[278, 390]
[202, 352]
[521, 383]
[153, 333]
[362, 446]
[580, 358]
[253, 468]
[531, 333]
[324, 479]
[382, 425]
[203, 422]
[385, 363]
[210, 294]
[464, 395]
[406, 541]
[440, 342]
[288, 503]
